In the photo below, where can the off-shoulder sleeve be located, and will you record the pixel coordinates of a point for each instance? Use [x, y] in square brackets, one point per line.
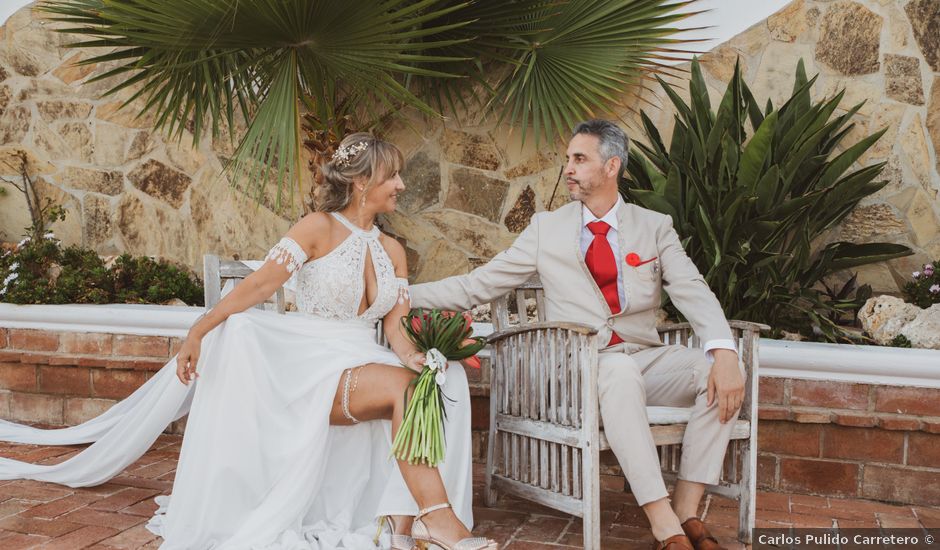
[288, 253]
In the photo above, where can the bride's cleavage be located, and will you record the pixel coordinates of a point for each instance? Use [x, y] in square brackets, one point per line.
[370, 283]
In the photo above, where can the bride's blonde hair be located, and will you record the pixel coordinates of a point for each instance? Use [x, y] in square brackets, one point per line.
[359, 155]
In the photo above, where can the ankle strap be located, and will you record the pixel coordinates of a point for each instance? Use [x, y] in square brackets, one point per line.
[430, 509]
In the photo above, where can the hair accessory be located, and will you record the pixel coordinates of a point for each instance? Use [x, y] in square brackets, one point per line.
[343, 155]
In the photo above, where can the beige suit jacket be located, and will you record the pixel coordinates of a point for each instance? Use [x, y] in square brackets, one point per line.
[550, 247]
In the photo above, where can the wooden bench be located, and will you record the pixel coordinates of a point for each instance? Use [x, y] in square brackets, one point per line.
[216, 272]
[545, 436]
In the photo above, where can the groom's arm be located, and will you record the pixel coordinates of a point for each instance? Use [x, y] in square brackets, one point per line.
[507, 270]
[689, 292]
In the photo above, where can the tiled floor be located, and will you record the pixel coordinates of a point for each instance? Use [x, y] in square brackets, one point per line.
[112, 516]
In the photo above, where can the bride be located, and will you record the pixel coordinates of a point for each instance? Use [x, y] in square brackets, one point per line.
[287, 444]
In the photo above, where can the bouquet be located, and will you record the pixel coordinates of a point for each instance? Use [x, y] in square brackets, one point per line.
[441, 336]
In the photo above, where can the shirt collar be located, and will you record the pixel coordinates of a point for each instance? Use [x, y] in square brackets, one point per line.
[610, 218]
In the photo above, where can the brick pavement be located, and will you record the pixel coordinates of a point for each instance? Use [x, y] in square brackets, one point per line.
[112, 516]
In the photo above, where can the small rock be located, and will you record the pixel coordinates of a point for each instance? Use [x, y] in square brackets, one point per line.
[924, 330]
[884, 316]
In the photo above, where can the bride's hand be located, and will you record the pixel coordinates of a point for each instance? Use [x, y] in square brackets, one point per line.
[415, 361]
[186, 359]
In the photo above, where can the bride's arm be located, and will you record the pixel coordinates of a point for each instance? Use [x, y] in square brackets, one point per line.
[281, 262]
[391, 324]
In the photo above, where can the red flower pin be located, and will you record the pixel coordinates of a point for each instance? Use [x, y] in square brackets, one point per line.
[633, 260]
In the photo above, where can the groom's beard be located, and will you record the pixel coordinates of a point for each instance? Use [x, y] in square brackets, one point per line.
[579, 190]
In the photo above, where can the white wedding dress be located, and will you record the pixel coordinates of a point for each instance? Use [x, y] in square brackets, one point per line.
[260, 466]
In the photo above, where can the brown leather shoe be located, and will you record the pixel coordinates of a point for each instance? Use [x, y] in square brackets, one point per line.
[699, 535]
[675, 542]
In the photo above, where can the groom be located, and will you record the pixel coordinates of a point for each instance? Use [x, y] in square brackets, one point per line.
[603, 262]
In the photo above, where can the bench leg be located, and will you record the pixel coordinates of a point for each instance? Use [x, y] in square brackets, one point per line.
[591, 497]
[748, 486]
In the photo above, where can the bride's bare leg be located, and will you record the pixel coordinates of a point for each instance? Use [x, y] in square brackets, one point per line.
[376, 392]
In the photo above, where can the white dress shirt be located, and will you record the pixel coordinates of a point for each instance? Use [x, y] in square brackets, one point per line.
[610, 218]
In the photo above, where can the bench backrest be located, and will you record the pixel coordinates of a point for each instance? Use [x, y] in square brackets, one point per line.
[216, 272]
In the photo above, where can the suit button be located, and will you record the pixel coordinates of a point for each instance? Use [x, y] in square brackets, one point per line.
[610, 323]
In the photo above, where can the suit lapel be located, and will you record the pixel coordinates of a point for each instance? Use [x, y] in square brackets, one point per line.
[629, 274]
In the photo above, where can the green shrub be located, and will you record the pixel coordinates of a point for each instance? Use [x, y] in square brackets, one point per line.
[41, 272]
[923, 290]
[750, 207]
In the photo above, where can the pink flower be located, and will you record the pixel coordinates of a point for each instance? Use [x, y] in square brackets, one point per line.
[934, 289]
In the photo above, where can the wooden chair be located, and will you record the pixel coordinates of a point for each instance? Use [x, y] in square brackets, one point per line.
[216, 272]
[545, 438]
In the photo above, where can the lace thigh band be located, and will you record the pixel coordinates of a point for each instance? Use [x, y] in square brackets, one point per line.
[349, 386]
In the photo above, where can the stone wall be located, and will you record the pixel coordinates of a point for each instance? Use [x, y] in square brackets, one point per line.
[471, 189]
[124, 186]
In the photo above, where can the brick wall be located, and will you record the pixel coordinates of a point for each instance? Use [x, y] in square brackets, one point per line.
[853, 440]
[815, 437]
[66, 378]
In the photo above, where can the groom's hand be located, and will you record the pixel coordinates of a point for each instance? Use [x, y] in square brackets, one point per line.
[725, 383]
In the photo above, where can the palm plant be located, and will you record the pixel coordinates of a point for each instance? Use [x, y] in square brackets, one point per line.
[751, 208]
[534, 63]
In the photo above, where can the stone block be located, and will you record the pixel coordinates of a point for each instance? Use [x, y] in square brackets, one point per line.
[56, 110]
[161, 182]
[924, 16]
[902, 79]
[521, 212]
[422, 178]
[849, 39]
[473, 150]
[106, 182]
[96, 217]
[475, 193]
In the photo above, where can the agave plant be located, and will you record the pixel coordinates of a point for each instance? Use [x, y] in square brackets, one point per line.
[205, 63]
[752, 207]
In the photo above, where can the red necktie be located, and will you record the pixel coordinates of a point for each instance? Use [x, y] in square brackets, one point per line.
[603, 267]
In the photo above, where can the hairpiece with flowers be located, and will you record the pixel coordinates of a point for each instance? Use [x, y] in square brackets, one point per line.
[345, 154]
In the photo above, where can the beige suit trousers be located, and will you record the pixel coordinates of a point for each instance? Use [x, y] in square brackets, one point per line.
[669, 376]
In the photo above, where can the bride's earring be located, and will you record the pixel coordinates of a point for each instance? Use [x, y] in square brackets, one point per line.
[362, 201]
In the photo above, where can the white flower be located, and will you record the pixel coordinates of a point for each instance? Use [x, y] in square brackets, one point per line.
[49, 235]
[21, 243]
[10, 277]
[934, 289]
[916, 274]
[435, 360]
[440, 378]
[14, 265]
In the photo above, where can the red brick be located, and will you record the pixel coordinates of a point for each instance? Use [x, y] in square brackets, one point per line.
[855, 420]
[33, 526]
[900, 484]
[833, 395]
[888, 521]
[18, 377]
[116, 383]
[82, 409]
[479, 413]
[146, 346]
[65, 380]
[773, 501]
[812, 417]
[4, 337]
[81, 538]
[36, 491]
[36, 358]
[863, 444]
[19, 541]
[924, 450]
[767, 412]
[87, 516]
[56, 508]
[931, 426]
[123, 499]
[905, 400]
[766, 471]
[818, 476]
[85, 342]
[787, 438]
[36, 407]
[10, 356]
[175, 345]
[929, 517]
[135, 537]
[770, 391]
[899, 423]
[33, 340]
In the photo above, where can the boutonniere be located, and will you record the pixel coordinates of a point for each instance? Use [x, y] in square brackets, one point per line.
[633, 260]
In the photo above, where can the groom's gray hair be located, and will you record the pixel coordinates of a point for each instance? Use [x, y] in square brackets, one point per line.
[614, 142]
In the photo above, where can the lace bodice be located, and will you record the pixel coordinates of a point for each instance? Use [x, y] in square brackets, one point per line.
[332, 286]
